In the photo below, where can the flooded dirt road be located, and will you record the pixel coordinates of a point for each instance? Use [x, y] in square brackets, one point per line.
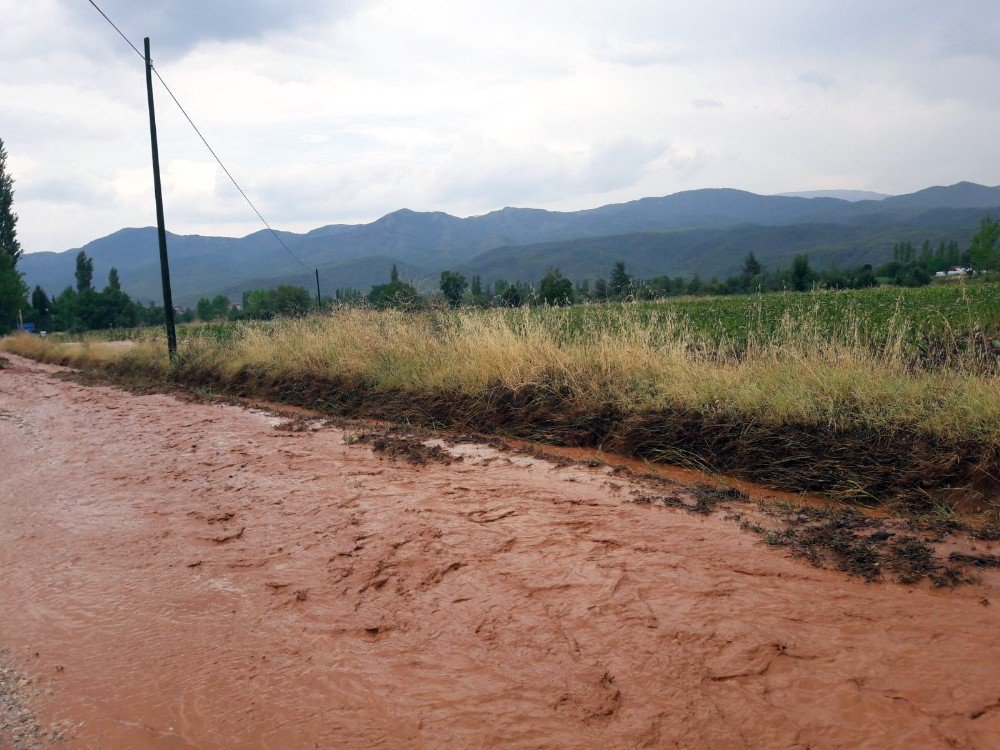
[185, 575]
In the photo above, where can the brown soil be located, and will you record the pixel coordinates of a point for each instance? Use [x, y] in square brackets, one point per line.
[184, 575]
[861, 464]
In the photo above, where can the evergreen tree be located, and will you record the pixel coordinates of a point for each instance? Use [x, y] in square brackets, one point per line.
[84, 273]
[752, 266]
[12, 293]
[12, 288]
[600, 289]
[41, 308]
[480, 296]
[620, 283]
[90, 310]
[40, 302]
[8, 219]
[801, 274]
[114, 308]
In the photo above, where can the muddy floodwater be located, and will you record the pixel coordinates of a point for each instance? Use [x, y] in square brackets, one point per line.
[187, 575]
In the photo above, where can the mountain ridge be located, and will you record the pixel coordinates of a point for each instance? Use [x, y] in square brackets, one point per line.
[847, 195]
[428, 242]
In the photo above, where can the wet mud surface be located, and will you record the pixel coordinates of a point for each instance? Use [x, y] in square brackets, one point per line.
[196, 575]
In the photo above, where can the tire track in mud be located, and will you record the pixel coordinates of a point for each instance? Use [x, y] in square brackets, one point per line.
[191, 576]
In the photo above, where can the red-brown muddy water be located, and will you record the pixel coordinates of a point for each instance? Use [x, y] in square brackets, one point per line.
[183, 575]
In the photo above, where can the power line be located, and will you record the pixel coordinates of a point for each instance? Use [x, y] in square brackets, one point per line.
[203, 139]
[223, 166]
[127, 40]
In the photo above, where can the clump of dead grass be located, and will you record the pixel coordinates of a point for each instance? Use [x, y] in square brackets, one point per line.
[397, 446]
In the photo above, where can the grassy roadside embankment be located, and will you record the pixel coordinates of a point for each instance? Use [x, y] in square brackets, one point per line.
[894, 412]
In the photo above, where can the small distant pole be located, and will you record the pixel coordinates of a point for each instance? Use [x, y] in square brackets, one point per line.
[161, 229]
[319, 302]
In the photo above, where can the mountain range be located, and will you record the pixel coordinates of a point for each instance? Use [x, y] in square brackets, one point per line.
[707, 232]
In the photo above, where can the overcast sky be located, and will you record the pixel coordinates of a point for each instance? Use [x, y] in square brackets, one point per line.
[333, 112]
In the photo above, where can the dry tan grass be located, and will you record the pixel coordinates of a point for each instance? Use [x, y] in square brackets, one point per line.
[636, 363]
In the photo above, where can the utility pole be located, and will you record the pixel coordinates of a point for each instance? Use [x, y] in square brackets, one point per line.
[161, 230]
[319, 302]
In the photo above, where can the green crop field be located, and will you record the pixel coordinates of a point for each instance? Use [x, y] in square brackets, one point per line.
[936, 311]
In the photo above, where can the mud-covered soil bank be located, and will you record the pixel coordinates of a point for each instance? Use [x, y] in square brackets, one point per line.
[892, 464]
[897, 464]
[184, 575]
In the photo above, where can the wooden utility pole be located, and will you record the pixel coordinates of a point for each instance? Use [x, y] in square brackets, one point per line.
[319, 302]
[161, 229]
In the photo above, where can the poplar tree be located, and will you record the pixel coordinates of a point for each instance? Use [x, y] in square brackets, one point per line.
[12, 288]
[8, 219]
[84, 273]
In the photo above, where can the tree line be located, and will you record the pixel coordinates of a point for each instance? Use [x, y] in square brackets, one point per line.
[83, 307]
[909, 266]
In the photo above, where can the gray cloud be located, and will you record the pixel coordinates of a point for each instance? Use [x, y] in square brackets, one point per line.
[176, 26]
[347, 109]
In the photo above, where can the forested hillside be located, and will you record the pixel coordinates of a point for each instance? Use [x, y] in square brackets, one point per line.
[701, 231]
